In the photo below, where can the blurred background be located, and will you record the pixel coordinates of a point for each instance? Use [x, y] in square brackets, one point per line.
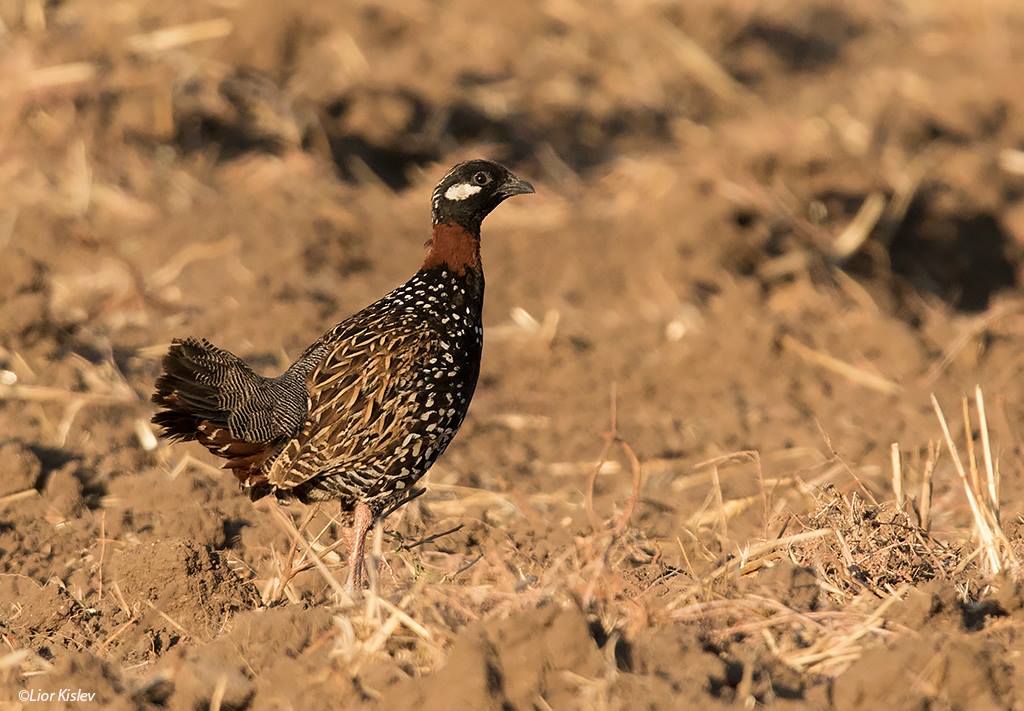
[770, 226]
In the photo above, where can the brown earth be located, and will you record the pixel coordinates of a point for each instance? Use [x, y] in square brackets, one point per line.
[764, 234]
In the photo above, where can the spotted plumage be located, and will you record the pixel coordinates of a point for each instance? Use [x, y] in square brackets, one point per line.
[365, 411]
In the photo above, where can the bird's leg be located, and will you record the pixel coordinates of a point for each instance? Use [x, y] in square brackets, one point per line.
[361, 522]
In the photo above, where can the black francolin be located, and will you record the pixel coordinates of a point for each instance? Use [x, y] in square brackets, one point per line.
[366, 410]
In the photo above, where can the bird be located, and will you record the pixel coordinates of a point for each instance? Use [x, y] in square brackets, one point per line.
[365, 411]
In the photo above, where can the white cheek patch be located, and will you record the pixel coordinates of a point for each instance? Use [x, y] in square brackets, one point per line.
[461, 191]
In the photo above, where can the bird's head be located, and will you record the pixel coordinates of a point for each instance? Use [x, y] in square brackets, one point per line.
[470, 190]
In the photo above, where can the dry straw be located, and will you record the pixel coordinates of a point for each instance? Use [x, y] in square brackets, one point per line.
[998, 554]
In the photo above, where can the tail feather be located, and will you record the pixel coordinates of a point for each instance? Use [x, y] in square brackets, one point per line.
[188, 391]
[199, 390]
[177, 426]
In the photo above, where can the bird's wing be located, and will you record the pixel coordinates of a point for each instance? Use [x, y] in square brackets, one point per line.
[364, 402]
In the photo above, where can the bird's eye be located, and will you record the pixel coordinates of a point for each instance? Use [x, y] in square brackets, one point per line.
[481, 178]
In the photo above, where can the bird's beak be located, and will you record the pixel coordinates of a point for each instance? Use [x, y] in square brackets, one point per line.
[515, 186]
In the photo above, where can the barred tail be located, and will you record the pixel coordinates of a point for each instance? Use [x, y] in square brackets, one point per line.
[190, 389]
[211, 395]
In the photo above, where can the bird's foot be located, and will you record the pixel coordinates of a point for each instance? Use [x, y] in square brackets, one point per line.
[361, 522]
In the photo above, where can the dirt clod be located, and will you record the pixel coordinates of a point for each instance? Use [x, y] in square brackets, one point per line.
[179, 589]
[510, 664]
